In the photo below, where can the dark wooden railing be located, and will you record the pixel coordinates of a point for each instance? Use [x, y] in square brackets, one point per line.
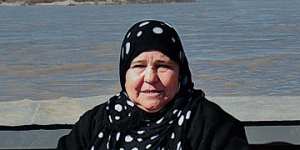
[272, 145]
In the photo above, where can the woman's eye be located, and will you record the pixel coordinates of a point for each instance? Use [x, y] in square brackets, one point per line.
[163, 66]
[138, 66]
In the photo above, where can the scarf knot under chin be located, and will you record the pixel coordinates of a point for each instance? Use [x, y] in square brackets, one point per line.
[129, 127]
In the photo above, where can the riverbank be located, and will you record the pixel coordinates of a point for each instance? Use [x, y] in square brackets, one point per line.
[82, 2]
[55, 2]
[68, 110]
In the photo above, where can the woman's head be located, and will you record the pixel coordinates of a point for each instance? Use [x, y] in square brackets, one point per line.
[153, 66]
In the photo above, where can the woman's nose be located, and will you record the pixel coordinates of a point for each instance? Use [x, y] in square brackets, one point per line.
[150, 75]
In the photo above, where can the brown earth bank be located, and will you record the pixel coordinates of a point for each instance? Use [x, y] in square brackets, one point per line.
[75, 2]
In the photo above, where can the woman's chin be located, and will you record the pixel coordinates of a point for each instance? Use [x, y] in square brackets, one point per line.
[150, 108]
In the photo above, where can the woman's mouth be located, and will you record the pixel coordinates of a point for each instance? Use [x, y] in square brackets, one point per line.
[152, 92]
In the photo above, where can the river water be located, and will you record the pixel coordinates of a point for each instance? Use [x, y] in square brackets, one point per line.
[234, 47]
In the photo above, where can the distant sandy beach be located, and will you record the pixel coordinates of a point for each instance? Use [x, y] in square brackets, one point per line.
[80, 2]
[244, 108]
[58, 3]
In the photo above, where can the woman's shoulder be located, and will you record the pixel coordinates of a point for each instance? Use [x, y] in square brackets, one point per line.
[90, 120]
[84, 130]
[214, 126]
[94, 114]
[212, 112]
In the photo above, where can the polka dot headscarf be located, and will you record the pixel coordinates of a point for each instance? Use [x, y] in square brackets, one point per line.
[154, 35]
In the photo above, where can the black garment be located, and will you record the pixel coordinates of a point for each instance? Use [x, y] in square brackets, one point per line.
[188, 122]
[206, 127]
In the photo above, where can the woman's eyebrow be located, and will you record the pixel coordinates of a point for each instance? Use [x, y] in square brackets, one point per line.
[170, 62]
[161, 61]
[165, 62]
[138, 62]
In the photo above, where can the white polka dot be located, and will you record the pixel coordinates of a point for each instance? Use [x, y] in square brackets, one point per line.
[118, 107]
[141, 132]
[158, 30]
[128, 138]
[175, 111]
[107, 145]
[179, 113]
[122, 148]
[135, 148]
[118, 136]
[139, 139]
[162, 148]
[154, 137]
[172, 135]
[128, 35]
[130, 103]
[110, 120]
[170, 122]
[178, 146]
[107, 108]
[100, 135]
[160, 120]
[181, 119]
[125, 107]
[148, 146]
[129, 114]
[180, 55]
[127, 45]
[173, 40]
[143, 24]
[188, 115]
[92, 148]
[117, 117]
[139, 33]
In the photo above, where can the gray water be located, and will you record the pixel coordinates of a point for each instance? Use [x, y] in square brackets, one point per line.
[235, 47]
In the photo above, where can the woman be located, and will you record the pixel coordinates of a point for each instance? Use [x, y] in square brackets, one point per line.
[158, 108]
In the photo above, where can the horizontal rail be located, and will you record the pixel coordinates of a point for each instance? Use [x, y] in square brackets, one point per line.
[70, 126]
[272, 123]
[36, 127]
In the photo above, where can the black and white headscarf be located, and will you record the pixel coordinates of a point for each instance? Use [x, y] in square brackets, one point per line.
[127, 127]
[154, 35]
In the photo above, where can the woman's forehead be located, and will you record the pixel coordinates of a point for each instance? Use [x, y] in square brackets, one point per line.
[151, 55]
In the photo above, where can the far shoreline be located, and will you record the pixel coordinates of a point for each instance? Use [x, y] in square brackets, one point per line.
[53, 111]
[58, 3]
[84, 2]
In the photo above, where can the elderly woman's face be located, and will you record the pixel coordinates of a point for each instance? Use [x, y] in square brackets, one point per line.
[152, 80]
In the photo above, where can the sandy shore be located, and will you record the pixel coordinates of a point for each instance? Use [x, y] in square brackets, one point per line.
[58, 3]
[68, 110]
[80, 2]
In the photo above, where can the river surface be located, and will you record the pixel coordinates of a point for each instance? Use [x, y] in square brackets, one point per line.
[234, 47]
